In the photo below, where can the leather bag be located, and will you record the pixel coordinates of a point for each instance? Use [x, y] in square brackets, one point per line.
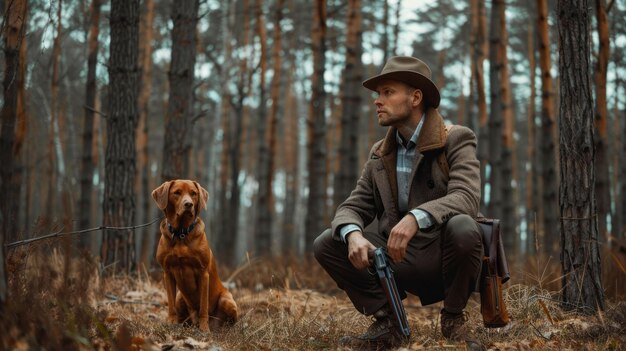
[494, 273]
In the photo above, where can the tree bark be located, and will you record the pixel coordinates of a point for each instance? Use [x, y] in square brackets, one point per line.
[531, 173]
[548, 184]
[580, 256]
[149, 235]
[119, 199]
[265, 196]
[54, 116]
[603, 195]
[496, 113]
[316, 130]
[87, 163]
[479, 48]
[348, 157]
[225, 243]
[508, 159]
[176, 143]
[13, 37]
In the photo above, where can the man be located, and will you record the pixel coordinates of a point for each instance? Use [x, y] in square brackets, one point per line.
[422, 183]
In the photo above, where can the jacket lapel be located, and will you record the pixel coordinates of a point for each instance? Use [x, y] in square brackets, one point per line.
[388, 156]
[432, 136]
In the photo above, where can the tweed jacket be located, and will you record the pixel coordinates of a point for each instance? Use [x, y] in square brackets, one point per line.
[376, 192]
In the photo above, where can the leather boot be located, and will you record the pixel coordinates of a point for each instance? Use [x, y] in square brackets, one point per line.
[453, 328]
[380, 335]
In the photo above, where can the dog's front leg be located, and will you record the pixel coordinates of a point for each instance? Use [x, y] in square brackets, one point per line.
[170, 289]
[204, 302]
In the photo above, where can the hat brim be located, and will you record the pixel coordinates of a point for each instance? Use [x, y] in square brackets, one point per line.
[412, 78]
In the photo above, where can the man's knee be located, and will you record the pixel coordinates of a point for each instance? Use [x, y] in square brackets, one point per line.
[463, 233]
[321, 244]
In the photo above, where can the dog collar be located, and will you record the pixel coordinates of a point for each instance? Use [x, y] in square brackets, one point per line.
[181, 232]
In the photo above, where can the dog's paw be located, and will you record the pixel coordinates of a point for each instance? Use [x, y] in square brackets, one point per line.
[172, 319]
[203, 324]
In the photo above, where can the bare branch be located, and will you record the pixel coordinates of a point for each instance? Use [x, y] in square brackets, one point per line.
[60, 234]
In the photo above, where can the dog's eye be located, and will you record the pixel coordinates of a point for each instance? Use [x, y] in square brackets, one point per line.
[193, 193]
[177, 192]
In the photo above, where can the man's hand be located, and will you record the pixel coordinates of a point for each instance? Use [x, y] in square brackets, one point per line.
[358, 248]
[400, 236]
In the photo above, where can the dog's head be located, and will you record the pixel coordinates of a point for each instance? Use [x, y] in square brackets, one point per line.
[181, 197]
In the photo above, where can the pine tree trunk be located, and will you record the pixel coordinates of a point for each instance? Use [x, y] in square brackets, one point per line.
[531, 174]
[13, 37]
[150, 234]
[603, 195]
[54, 115]
[348, 157]
[496, 113]
[87, 163]
[119, 199]
[291, 148]
[547, 165]
[478, 45]
[265, 197]
[225, 116]
[508, 159]
[316, 144]
[384, 43]
[176, 143]
[580, 256]
[622, 214]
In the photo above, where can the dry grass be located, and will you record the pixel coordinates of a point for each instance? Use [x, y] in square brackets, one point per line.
[286, 304]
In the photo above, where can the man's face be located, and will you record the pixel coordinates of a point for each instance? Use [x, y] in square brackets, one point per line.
[394, 102]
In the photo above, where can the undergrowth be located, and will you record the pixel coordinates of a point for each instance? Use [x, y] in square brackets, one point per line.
[285, 303]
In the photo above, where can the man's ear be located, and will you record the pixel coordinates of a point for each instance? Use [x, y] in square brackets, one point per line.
[204, 195]
[418, 97]
[161, 193]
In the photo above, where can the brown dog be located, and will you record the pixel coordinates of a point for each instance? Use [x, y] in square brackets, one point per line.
[187, 261]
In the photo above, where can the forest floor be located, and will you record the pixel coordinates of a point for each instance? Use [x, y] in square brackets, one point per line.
[294, 307]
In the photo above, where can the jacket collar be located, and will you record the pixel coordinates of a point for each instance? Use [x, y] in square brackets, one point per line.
[433, 135]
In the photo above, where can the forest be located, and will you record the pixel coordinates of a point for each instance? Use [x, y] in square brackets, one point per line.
[261, 103]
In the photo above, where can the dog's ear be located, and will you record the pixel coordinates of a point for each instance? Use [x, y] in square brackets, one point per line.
[161, 193]
[204, 195]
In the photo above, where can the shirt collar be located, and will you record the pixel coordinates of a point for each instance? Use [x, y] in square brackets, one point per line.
[413, 141]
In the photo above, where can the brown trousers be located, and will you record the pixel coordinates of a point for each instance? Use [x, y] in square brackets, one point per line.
[446, 268]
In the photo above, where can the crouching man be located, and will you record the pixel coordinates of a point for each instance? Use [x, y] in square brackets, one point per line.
[422, 183]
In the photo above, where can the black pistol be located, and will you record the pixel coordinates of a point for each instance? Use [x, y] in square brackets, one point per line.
[385, 274]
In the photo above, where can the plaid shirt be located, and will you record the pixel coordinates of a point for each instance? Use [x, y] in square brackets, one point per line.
[404, 167]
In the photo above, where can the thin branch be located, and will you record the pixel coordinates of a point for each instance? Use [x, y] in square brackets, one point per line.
[608, 7]
[60, 234]
[89, 108]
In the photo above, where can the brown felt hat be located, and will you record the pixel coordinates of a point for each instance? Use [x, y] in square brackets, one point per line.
[411, 71]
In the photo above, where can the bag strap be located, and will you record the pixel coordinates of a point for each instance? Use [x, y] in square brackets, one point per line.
[493, 246]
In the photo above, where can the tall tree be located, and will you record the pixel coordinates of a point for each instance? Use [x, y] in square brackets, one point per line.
[267, 139]
[87, 163]
[531, 175]
[265, 196]
[143, 152]
[580, 256]
[601, 117]
[119, 202]
[496, 64]
[178, 119]
[548, 185]
[478, 49]
[53, 137]
[351, 103]
[509, 197]
[316, 129]
[13, 38]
